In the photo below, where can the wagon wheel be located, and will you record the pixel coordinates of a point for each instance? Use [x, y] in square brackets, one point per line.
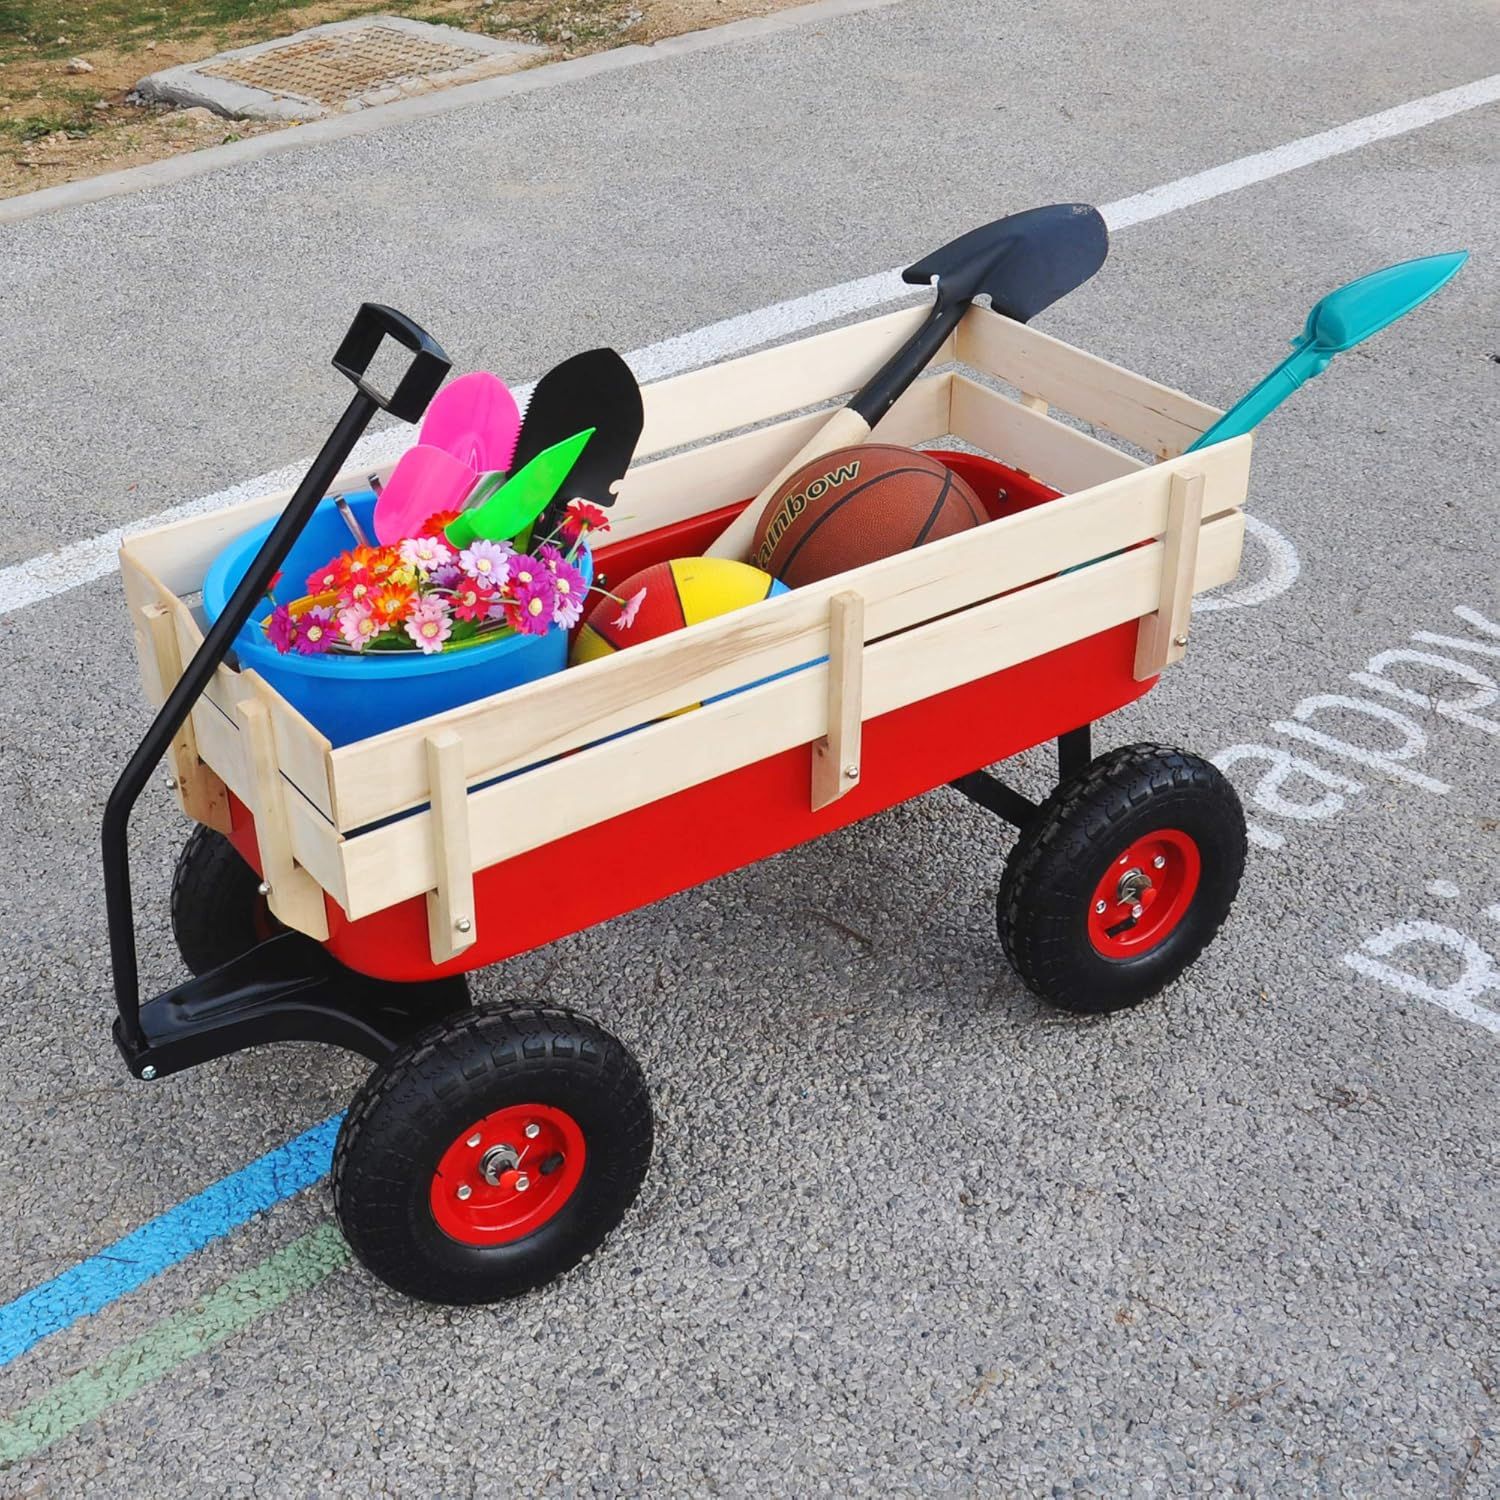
[1123, 879]
[218, 911]
[491, 1154]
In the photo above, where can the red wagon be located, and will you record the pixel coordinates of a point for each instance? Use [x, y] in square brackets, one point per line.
[341, 894]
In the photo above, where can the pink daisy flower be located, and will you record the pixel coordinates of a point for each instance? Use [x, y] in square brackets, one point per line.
[358, 626]
[487, 562]
[428, 624]
[281, 628]
[426, 553]
[631, 608]
[316, 633]
[533, 600]
[571, 591]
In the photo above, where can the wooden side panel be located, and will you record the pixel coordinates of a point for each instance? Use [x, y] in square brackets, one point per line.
[1028, 439]
[741, 392]
[377, 777]
[395, 861]
[1152, 416]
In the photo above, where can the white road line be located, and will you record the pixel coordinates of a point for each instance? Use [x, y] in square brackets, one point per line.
[54, 573]
[1276, 162]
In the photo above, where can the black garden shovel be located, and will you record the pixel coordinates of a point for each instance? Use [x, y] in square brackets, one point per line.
[1023, 263]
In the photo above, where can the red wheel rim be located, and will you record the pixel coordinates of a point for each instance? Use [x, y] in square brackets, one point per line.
[507, 1174]
[1144, 894]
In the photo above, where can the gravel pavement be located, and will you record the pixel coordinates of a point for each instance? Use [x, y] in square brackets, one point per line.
[906, 1231]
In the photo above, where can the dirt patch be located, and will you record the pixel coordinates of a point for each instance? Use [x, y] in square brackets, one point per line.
[60, 121]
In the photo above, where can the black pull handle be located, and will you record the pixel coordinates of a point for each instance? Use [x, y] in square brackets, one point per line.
[409, 400]
[427, 371]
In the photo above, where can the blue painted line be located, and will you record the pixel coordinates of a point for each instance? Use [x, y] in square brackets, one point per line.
[93, 1284]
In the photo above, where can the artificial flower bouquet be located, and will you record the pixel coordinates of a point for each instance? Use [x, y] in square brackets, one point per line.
[425, 595]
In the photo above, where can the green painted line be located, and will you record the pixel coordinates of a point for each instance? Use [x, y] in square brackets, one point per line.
[294, 1268]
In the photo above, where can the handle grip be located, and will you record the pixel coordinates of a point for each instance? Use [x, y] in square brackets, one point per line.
[427, 371]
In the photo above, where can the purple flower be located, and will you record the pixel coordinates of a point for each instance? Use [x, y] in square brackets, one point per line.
[427, 623]
[281, 628]
[533, 600]
[447, 576]
[571, 591]
[317, 632]
[487, 562]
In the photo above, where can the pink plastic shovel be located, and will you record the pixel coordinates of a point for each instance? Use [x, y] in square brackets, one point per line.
[476, 420]
[470, 429]
[424, 481]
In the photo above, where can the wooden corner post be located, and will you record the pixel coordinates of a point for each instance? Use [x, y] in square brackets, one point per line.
[200, 791]
[1163, 635]
[294, 896]
[836, 767]
[450, 908]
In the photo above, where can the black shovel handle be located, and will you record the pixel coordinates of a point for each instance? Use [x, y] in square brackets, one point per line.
[409, 400]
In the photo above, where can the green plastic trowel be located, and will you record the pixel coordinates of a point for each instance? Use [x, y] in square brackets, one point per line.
[506, 507]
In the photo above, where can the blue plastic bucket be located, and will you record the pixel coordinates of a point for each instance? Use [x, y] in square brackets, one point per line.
[351, 697]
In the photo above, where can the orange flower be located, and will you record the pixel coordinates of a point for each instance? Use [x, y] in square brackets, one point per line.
[389, 602]
[437, 523]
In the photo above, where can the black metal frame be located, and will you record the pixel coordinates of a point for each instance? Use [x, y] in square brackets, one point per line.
[281, 990]
[1074, 752]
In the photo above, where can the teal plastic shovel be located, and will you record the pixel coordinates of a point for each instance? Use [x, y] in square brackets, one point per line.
[1340, 321]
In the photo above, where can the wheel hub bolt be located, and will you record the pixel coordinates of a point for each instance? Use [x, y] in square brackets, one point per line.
[474, 1139]
[1160, 862]
[533, 1130]
[1136, 910]
[465, 1192]
[522, 1183]
[1101, 907]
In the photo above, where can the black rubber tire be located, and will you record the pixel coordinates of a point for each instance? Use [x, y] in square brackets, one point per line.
[1043, 903]
[415, 1105]
[218, 912]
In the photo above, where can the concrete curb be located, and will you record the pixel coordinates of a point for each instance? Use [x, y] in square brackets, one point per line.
[368, 121]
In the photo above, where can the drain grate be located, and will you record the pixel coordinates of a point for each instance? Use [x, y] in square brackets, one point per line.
[340, 66]
[335, 69]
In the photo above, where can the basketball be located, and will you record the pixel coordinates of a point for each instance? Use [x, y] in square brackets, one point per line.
[855, 505]
[678, 593]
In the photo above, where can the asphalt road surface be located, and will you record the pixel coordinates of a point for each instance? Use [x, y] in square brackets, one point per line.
[906, 1230]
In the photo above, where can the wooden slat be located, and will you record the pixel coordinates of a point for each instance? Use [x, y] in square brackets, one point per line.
[740, 392]
[450, 908]
[181, 552]
[200, 792]
[315, 843]
[393, 862]
[301, 750]
[1028, 439]
[688, 484]
[142, 591]
[836, 757]
[387, 774]
[295, 897]
[1163, 635]
[1152, 416]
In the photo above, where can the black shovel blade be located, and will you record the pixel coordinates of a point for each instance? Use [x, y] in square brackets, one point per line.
[1024, 262]
[594, 389]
